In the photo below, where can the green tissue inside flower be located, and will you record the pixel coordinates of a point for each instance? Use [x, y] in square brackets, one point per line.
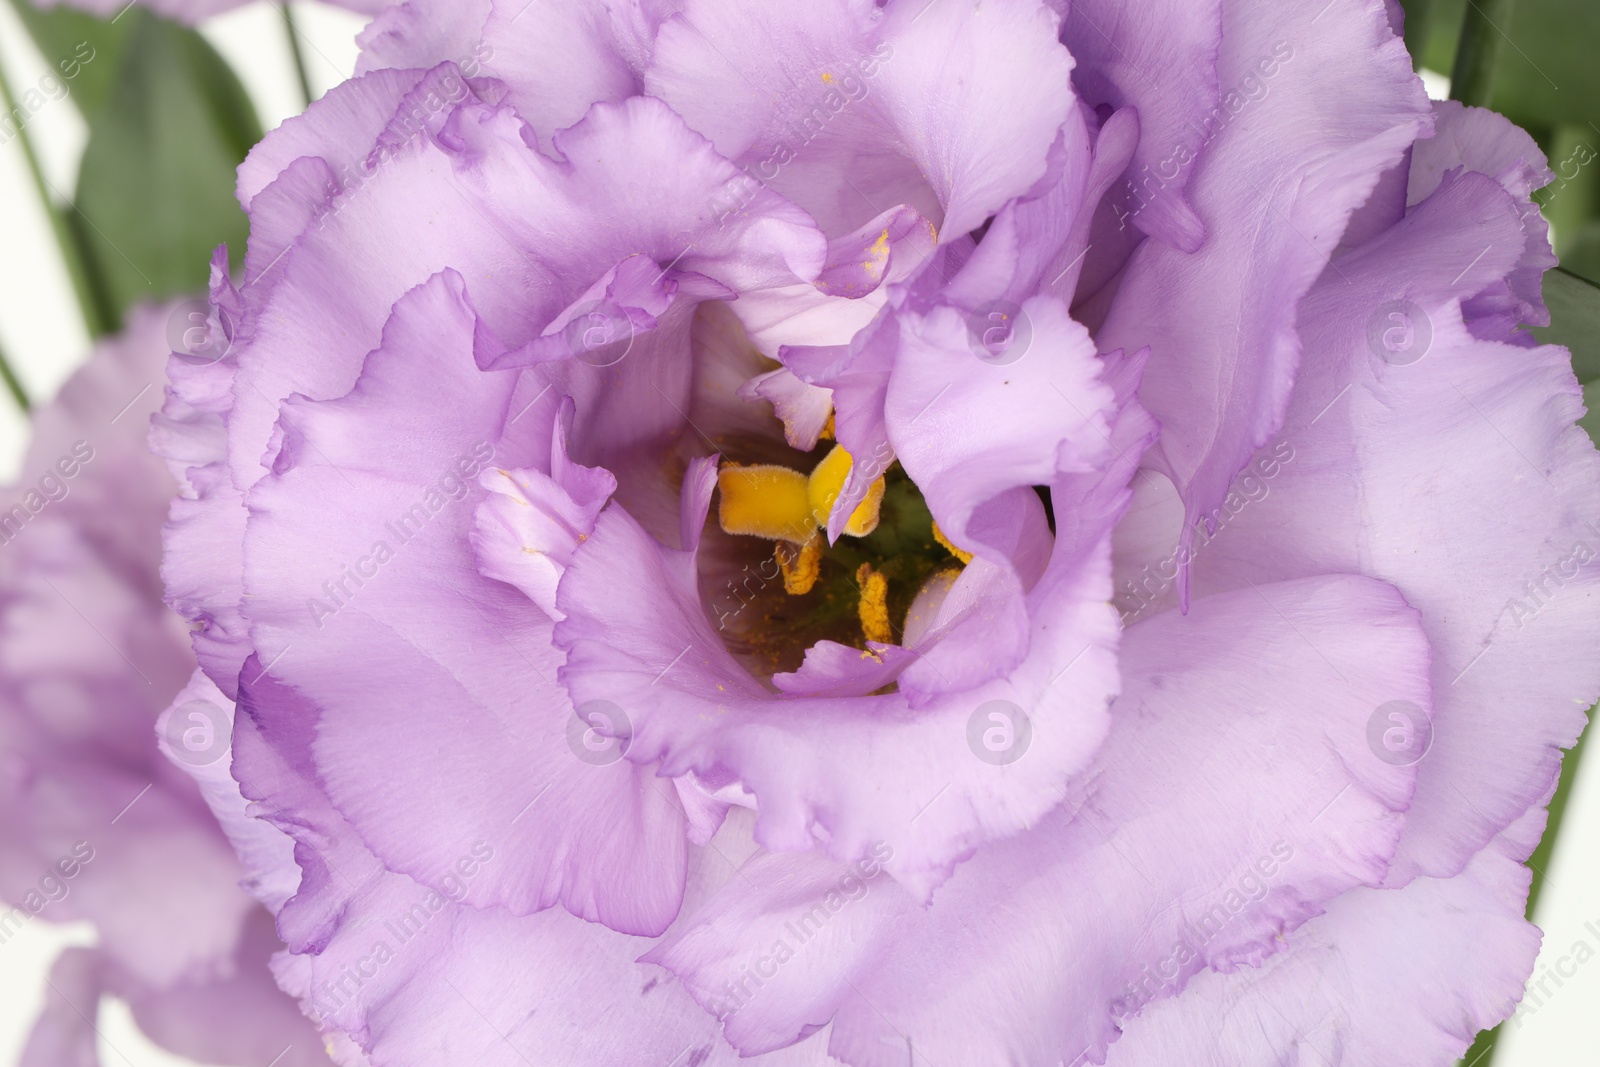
[857, 589]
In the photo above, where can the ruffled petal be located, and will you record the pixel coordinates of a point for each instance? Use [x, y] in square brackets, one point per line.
[532, 522]
[578, 53]
[951, 114]
[339, 130]
[383, 495]
[637, 182]
[1170, 76]
[582, 53]
[418, 34]
[1038, 412]
[1275, 190]
[1489, 143]
[264, 853]
[1038, 243]
[417, 973]
[803, 409]
[1454, 951]
[1462, 443]
[201, 568]
[1218, 816]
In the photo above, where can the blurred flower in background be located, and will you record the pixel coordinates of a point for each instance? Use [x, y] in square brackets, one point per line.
[95, 824]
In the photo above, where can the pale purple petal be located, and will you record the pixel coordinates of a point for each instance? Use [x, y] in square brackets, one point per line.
[1171, 78]
[1464, 443]
[1275, 192]
[864, 80]
[1454, 951]
[1167, 836]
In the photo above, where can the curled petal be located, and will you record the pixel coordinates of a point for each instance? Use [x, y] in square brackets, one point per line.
[1276, 192]
[1433, 416]
[1192, 751]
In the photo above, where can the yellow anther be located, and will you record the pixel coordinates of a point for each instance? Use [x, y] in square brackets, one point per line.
[786, 506]
[828, 433]
[959, 553]
[874, 606]
[800, 564]
[827, 482]
[765, 501]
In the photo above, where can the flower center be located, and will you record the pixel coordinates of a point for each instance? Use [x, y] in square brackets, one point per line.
[783, 505]
[857, 590]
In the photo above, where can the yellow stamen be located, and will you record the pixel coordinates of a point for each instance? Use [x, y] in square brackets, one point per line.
[827, 482]
[828, 433]
[959, 553]
[765, 501]
[801, 564]
[874, 605]
[786, 506]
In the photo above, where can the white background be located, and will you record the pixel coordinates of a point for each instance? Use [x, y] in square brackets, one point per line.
[41, 331]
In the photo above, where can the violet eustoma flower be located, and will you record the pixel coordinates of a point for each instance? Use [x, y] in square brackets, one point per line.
[921, 532]
[95, 824]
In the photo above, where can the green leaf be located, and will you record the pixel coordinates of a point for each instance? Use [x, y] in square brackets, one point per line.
[14, 385]
[80, 49]
[14, 120]
[155, 188]
[1548, 72]
[1580, 251]
[1574, 306]
[1591, 419]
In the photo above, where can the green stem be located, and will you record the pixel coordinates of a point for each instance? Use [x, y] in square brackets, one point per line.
[19, 394]
[1481, 1054]
[1483, 39]
[90, 301]
[295, 51]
